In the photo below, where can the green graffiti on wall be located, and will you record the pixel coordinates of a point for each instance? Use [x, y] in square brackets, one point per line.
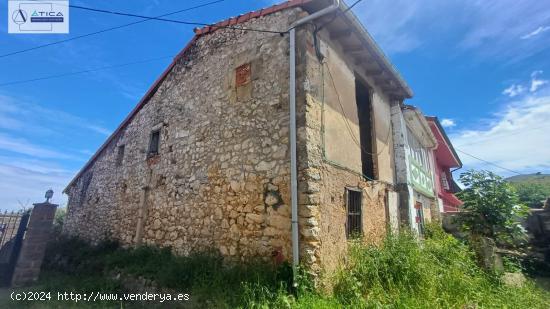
[421, 179]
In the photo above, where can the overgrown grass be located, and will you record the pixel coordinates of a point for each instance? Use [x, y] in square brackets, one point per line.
[439, 272]
[204, 275]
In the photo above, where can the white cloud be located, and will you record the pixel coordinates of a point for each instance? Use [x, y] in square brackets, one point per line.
[25, 183]
[22, 146]
[536, 83]
[19, 114]
[491, 29]
[515, 138]
[536, 32]
[395, 24]
[514, 90]
[34, 150]
[448, 123]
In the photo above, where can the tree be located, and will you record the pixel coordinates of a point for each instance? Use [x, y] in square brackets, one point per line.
[491, 207]
[532, 194]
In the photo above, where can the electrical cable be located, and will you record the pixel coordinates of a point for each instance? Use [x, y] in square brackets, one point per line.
[348, 126]
[488, 162]
[260, 41]
[175, 20]
[317, 29]
[114, 28]
[351, 6]
[82, 72]
[520, 131]
[354, 138]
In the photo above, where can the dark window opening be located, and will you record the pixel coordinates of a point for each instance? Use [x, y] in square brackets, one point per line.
[154, 142]
[364, 110]
[120, 155]
[86, 180]
[354, 224]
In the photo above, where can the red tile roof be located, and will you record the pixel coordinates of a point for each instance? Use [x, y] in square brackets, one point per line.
[250, 15]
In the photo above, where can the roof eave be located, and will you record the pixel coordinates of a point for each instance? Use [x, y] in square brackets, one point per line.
[421, 120]
[446, 138]
[406, 91]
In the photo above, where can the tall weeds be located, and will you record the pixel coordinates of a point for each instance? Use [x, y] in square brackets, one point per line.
[439, 272]
[402, 272]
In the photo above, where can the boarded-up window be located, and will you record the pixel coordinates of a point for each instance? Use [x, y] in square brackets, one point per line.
[354, 224]
[242, 75]
[154, 142]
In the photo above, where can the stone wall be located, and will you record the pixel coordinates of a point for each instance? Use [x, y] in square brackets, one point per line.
[37, 235]
[330, 158]
[221, 178]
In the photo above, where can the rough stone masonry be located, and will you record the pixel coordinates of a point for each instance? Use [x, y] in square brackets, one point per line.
[220, 177]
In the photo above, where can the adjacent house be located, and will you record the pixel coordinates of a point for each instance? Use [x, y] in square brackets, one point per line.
[445, 160]
[414, 145]
[270, 134]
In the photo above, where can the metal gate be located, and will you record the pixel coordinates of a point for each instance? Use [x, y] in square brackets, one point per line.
[12, 229]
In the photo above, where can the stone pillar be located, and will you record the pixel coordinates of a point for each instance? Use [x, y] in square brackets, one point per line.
[36, 238]
[400, 145]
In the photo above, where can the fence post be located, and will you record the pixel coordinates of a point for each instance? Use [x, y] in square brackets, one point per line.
[27, 268]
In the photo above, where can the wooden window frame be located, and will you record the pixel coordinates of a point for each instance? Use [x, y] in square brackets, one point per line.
[153, 152]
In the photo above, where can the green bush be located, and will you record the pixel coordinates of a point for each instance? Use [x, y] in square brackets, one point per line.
[491, 208]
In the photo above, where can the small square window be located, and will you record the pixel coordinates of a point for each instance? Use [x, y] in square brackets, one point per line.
[120, 155]
[154, 142]
[354, 224]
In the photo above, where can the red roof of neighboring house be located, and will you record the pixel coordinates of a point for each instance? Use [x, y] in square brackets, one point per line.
[445, 152]
[449, 198]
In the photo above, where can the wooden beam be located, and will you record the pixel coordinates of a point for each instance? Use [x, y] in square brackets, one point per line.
[389, 89]
[374, 72]
[367, 61]
[340, 34]
[382, 78]
[354, 50]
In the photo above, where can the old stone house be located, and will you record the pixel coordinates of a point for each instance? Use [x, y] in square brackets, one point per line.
[205, 159]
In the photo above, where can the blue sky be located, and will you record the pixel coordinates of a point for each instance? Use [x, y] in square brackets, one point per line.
[480, 66]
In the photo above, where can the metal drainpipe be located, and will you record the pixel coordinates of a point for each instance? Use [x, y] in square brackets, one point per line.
[293, 165]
